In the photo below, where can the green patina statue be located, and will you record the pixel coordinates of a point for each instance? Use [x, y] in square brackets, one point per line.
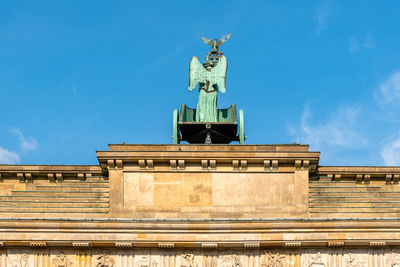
[210, 76]
[207, 124]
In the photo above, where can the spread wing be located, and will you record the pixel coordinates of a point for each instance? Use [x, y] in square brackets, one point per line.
[196, 73]
[207, 41]
[223, 40]
[218, 73]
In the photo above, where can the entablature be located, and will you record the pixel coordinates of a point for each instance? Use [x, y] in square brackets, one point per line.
[201, 234]
[201, 158]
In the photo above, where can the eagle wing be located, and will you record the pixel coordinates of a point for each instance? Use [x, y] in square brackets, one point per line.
[207, 41]
[223, 40]
[218, 73]
[196, 73]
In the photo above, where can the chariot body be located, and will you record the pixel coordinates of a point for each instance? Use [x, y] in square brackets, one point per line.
[227, 129]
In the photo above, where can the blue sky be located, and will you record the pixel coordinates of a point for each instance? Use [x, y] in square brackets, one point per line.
[78, 75]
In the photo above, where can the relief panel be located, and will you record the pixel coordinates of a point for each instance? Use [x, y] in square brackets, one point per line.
[130, 257]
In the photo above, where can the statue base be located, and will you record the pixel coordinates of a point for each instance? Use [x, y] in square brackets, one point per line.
[225, 131]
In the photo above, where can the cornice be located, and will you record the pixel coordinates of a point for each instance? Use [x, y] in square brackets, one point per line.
[223, 233]
[28, 173]
[360, 173]
[217, 158]
[358, 170]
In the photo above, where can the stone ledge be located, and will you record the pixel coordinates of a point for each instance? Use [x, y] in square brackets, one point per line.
[359, 173]
[28, 173]
[50, 168]
[201, 147]
[205, 220]
[185, 233]
[18, 243]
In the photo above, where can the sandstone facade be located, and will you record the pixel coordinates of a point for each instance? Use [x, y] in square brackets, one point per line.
[200, 205]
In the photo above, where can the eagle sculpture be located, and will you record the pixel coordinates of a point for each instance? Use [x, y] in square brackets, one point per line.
[216, 43]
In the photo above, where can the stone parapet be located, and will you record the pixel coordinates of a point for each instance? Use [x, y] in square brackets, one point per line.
[208, 181]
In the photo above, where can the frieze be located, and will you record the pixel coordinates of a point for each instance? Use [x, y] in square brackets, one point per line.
[315, 258]
[277, 257]
[104, 260]
[19, 258]
[187, 260]
[392, 258]
[230, 261]
[273, 259]
[61, 260]
[146, 261]
[354, 259]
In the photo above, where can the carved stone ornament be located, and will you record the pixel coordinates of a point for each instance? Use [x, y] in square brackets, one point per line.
[273, 259]
[231, 261]
[145, 261]
[61, 260]
[104, 260]
[22, 261]
[187, 260]
[235, 259]
[355, 260]
[314, 260]
[392, 259]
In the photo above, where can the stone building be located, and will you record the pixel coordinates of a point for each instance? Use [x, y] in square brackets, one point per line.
[200, 206]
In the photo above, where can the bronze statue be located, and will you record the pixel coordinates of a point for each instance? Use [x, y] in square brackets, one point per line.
[210, 76]
[207, 124]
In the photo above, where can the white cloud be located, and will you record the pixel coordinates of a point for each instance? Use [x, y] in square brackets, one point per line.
[338, 130]
[361, 133]
[391, 153]
[354, 47]
[28, 143]
[369, 42]
[389, 90]
[8, 157]
[322, 15]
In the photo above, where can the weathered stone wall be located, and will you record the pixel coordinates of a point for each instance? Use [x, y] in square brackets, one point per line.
[194, 181]
[349, 198]
[45, 198]
[218, 195]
